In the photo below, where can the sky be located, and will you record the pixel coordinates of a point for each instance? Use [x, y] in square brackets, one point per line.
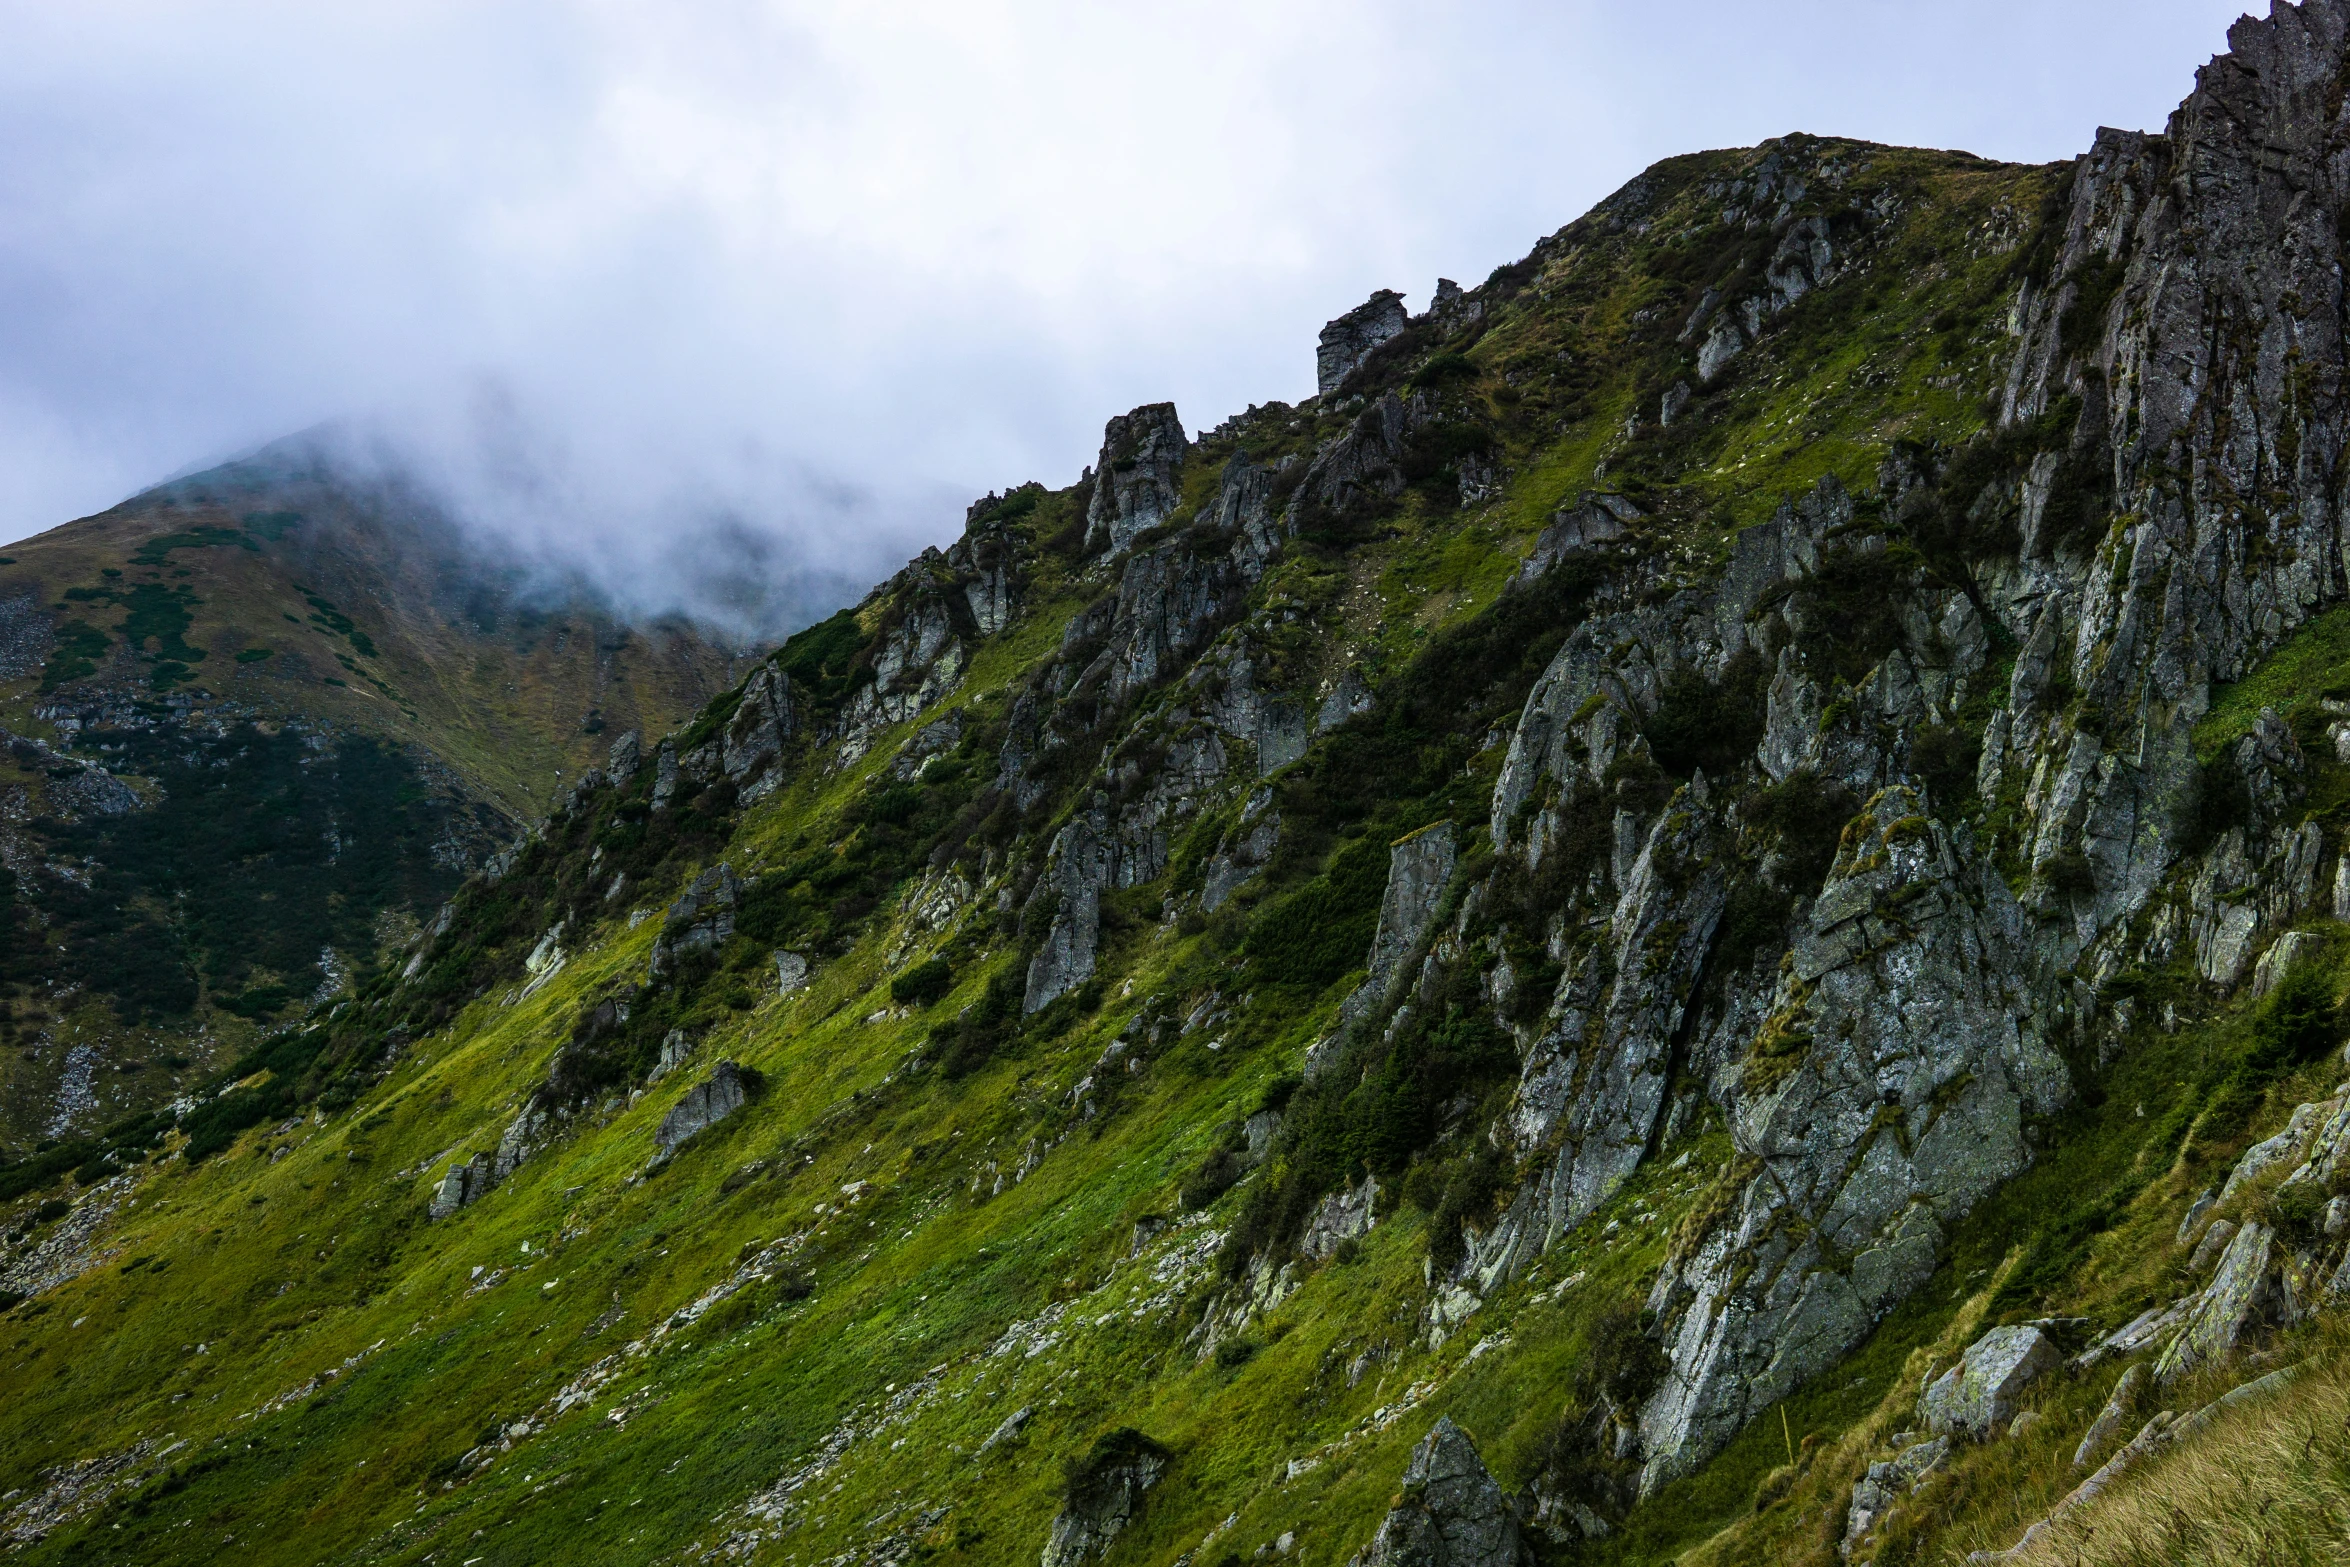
[625, 279]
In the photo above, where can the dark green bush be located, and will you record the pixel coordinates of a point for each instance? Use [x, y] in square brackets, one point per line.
[1085, 1479]
[1624, 1364]
[925, 984]
[1711, 724]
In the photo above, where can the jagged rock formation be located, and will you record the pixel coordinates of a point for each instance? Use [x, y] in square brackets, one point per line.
[1795, 861]
[1348, 341]
[1137, 482]
[701, 918]
[1451, 1513]
[727, 1089]
[1105, 1495]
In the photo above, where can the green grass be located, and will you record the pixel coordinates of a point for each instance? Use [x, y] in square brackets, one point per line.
[941, 1303]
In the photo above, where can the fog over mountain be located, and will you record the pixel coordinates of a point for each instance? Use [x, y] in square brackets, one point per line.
[636, 284]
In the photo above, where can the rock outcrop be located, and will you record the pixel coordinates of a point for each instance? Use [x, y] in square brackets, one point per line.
[1105, 1495]
[1452, 1512]
[700, 919]
[763, 723]
[727, 1089]
[1885, 1095]
[1349, 340]
[1138, 482]
[1418, 869]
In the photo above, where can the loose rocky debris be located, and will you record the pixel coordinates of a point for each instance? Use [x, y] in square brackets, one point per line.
[71, 1248]
[73, 1490]
[304, 1390]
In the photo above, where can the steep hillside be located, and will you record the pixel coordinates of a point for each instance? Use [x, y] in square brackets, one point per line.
[1698, 916]
[257, 724]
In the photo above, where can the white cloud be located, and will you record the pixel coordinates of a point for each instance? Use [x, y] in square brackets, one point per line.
[822, 267]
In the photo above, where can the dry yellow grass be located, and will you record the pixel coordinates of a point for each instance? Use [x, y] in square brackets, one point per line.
[2264, 1485]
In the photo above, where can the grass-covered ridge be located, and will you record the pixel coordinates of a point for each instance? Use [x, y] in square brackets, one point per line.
[794, 1341]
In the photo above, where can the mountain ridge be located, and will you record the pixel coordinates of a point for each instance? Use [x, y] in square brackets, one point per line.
[1689, 915]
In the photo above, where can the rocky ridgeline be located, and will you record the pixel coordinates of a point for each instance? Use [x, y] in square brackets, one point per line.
[1880, 1053]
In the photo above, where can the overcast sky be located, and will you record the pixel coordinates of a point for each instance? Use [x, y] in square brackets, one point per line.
[826, 270]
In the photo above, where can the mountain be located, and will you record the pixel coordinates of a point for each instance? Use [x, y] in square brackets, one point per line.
[1697, 916]
[258, 723]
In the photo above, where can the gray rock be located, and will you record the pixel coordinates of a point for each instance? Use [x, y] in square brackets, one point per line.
[1349, 699]
[2197, 1212]
[1418, 868]
[2213, 1245]
[1594, 524]
[1452, 1512]
[1011, 1427]
[727, 1089]
[2243, 1296]
[1676, 398]
[677, 1047]
[2120, 1406]
[791, 972]
[751, 746]
[1452, 310]
[919, 661]
[2284, 1148]
[1104, 1497]
[627, 755]
[701, 918]
[1905, 1003]
[1342, 1216]
[1884, 1485]
[664, 775]
[1139, 480]
[464, 1184]
[1348, 341]
[1977, 1397]
[1244, 851]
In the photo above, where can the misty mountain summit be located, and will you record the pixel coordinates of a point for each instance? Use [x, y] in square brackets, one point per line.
[1696, 916]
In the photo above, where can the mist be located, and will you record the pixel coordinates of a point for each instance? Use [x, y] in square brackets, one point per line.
[695, 299]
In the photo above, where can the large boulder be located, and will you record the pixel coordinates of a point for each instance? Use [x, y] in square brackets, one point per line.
[1105, 1494]
[727, 1089]
[2245, 1294]
[701, 918]
[1978, 1396]
[1452, 1512]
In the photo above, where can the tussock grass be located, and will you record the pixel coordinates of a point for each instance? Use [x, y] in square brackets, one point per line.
[2265, 1485]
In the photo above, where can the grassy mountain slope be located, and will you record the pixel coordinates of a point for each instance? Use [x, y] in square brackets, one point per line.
[325, 705]
[952, 1242]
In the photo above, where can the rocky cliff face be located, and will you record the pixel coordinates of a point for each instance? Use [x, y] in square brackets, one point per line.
[1576, 887]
